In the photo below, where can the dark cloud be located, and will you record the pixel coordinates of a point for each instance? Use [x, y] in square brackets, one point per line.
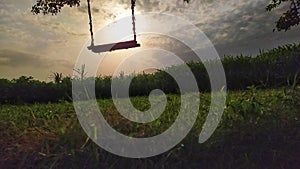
[245, 28]
[12, 58]
[84, 8]
[169, 44]
[14, 64]
[16, 58]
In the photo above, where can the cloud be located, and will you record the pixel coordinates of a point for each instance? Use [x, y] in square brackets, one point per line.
[14, 63]
[84, 8]
[240, 26]
[15, 58]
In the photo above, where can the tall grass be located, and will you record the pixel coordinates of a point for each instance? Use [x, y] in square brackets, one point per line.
[259, 129]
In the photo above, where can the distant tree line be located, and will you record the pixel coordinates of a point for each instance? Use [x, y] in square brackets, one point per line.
[275, 68]
[27, 90]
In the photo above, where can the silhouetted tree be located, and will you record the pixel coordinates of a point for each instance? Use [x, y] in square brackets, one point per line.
[288, 19]
[52, 6]
[57, 77]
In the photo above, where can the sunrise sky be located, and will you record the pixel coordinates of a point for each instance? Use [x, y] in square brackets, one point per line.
[38, 45]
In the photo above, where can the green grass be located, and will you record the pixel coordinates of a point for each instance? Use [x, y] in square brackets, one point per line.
[259, 129]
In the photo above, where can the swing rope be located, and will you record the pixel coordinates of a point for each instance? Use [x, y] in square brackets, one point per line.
[90, 23]
[133, 18]
[91, 20]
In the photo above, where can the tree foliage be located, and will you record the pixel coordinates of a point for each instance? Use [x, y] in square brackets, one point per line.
[289, 18]
[52, 6]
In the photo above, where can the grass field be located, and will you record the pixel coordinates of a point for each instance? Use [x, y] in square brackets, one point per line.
[260, 129]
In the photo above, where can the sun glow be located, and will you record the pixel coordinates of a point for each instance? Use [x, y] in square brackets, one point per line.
[120, 11]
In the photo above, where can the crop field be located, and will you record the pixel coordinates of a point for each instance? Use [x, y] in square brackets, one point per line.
[259, 129]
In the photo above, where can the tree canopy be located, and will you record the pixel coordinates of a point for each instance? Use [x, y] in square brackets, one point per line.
[52, 6]
[287, 20]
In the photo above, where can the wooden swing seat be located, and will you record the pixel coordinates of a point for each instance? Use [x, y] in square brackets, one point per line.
[114, 46]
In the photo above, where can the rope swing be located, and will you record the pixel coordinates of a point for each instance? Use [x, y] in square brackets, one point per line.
[112, 46]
